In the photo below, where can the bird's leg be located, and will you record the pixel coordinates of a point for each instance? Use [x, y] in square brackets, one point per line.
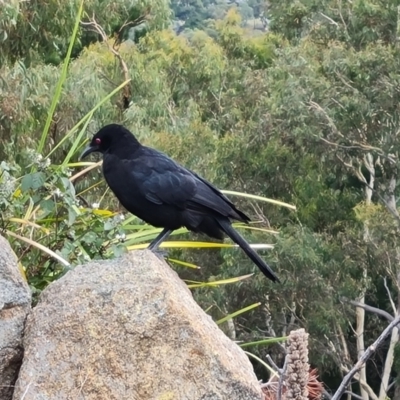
[153, 246]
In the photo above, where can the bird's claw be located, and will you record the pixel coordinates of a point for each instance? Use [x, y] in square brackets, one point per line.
[161, 254]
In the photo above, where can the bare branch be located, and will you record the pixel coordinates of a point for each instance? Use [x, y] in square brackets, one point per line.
[363, 359]
[273, 365]
[281, 380]
[317, 107]
[360, 344]
[394, 308]
[371, 309]
[344, 81]
[94, 26]
[387, 370]
[127, 23]
[390, 195]
[342, 19]
[353, 144]
[369, 163]
[344, 345]
[356, 396]
[362, 179]
[359, 146]
[364, 384]
[329, 19]
[346, 164]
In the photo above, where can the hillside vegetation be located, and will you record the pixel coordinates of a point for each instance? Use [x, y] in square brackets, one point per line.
[305, 112]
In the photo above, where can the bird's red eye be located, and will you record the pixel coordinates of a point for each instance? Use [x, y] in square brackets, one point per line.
[97, 141]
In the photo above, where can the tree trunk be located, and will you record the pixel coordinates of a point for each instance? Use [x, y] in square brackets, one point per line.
[394, 339]
[360, 317]
[360, 312]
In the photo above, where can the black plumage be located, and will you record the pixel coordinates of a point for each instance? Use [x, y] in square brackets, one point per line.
[161, 192]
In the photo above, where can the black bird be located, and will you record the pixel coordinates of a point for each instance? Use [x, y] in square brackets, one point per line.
[164, 194]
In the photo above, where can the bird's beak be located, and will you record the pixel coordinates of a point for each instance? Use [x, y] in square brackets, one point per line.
[89, 149]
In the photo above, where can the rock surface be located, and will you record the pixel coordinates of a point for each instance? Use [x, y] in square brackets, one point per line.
[128, 329]
[15, 303]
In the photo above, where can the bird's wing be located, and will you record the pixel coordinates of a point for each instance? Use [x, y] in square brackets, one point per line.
[213, 188]
[167, 182]
[163, 180]
[170, 187]
[206, 199]
[237, 214]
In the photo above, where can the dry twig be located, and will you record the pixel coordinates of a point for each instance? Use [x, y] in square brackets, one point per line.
[363, 359]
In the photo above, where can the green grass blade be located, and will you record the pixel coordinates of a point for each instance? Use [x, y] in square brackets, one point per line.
[268, 341]
[236, 313]
[80, 164]
[227, 281]
[184, 245]
[61, 81]
[261, 198]
[253, 228]
[39, 246]
[83, 119]
[134, 227]
[183, 263]
[148, 230]
[269, 369]
[209, 308]
[77, 141]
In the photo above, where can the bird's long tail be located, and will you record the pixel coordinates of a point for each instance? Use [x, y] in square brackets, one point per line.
[239, 240]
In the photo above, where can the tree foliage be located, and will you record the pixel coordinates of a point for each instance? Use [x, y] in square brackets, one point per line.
[38, 30]
[306, 113]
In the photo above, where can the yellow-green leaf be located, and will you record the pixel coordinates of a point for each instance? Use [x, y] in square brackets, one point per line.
[104, 213]
[22, 271]
[26, 222]
[39, 246]
[270, 369]
[183, 244]
[267, 341]
[261, 198]
[183, 263]
[218, 283]
[236, 313]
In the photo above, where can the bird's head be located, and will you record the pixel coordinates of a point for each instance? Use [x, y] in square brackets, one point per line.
[111, 138]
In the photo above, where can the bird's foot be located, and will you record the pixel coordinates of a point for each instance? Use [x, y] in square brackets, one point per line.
[161, 254]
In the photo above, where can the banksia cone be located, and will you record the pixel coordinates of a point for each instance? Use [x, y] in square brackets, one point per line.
[297, 370]
[299, 383]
